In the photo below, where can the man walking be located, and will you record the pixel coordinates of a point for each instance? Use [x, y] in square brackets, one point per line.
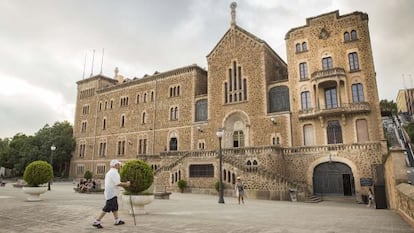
[112, 189]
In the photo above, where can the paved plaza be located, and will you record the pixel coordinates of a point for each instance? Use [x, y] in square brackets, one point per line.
[63, 210]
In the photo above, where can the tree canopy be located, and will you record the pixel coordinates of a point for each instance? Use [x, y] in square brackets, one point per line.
[20, 150]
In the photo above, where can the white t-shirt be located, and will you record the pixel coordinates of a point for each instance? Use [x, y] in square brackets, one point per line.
[112, 179]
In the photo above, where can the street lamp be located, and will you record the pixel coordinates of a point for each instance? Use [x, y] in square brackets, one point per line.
[52, 148]
[219, 134]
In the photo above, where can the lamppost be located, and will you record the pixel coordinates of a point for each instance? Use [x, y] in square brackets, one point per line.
[219, 134]
[52, 148]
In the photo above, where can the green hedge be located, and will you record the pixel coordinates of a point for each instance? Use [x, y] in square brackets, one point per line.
[37, 173]
[139, 174]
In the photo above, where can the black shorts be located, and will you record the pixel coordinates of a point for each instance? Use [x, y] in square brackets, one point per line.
[111, 205]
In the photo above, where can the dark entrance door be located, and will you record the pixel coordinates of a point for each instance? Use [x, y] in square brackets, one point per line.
[333, 178]
[346, 181]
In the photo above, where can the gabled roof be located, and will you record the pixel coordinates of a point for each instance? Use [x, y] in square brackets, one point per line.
[248, 34]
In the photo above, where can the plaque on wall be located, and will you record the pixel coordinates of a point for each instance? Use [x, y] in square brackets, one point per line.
[366, 181]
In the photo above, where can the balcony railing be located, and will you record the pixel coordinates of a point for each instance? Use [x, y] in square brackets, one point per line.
[345, 108]
[334, 72]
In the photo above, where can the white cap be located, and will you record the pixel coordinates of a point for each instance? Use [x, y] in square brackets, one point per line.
[114, 162]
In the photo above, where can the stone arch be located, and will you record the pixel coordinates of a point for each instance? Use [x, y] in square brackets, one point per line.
[236, 121]
[171, 140]
[334, 158]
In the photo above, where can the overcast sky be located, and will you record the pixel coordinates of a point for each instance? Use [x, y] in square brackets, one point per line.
[43, 44]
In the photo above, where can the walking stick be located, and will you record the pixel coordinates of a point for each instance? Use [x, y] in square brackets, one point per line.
[132, 209]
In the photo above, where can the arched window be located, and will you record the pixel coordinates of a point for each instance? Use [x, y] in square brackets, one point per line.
[304, 46]
[354, 35]
[172, 114]
[298, 48]
[138, 99]
[152, 96]
[145, 97]
[176, 113]
[144, 120]
[346, 36]
[123, 121]
[279, 99]
[104, 124]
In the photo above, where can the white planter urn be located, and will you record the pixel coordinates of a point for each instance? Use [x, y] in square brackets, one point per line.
[136, 203]
[34, 192]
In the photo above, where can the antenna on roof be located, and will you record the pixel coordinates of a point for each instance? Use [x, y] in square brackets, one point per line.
[84, 66]
[93, 57]
[405, 87]
[103, 52]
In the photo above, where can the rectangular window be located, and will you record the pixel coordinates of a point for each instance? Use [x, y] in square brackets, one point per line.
[327, 63]
[303, 70]
[306, 100]
[201, 170]
[82, 148]
[330, 98]
[308, 135]
[353, 61]
[357, 93]
[80, 170]
[102, 149]
[121, 148]
[100, 169]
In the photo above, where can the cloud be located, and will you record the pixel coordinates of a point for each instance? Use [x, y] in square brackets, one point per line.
[44, 43]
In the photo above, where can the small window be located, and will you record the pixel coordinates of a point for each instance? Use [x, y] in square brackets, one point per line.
[304, 46]
[354, 35]
[297, 48]
[346, 37]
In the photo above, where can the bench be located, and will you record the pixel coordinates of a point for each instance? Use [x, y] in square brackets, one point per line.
[160, 192]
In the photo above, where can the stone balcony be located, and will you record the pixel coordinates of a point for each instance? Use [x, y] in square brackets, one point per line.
[345, 108]
[330, 74]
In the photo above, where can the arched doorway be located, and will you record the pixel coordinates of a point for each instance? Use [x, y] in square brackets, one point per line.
[333, 178]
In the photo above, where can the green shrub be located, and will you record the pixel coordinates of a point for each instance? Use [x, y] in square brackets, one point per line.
[37, 173]
[139, 174]
[87, 175]
[182, 184]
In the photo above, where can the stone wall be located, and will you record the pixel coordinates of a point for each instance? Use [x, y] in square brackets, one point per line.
[400, 194]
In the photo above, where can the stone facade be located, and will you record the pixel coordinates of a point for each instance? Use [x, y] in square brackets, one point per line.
[280, 122]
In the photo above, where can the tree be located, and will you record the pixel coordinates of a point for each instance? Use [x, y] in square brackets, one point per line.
[61, 136]
[388, 108]
[17, 152]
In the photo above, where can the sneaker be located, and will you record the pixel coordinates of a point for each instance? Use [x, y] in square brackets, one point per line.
[120, 222]
[97, 225]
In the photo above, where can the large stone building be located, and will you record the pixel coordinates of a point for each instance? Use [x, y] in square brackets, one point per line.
[312, 124]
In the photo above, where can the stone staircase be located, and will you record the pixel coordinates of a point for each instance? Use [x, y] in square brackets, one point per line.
[312, 198]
